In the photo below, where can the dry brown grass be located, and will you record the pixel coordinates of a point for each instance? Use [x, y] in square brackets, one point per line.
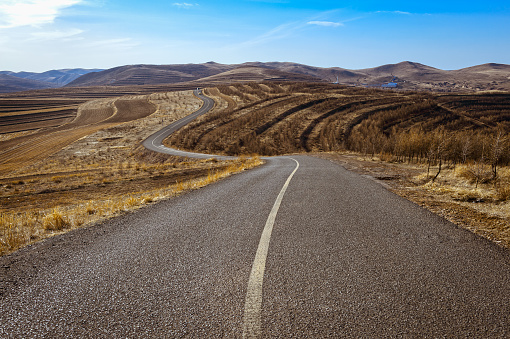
[20, 228]
[101, 175]
[55, 221]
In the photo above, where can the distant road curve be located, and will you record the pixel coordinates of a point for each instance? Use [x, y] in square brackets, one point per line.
[155, 141]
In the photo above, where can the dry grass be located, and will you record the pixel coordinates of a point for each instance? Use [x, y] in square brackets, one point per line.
[20, 229]
[459, 184]
[101, 175]
[55, 221]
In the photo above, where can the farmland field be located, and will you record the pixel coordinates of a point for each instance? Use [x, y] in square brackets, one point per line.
[36, 124]
[93, 167]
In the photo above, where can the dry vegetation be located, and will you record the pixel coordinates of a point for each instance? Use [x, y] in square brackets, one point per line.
[458, 146]
[447, 152]
[105, 172]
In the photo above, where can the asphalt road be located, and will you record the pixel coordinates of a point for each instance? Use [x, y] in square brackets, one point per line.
[155, 141]
[340, 256]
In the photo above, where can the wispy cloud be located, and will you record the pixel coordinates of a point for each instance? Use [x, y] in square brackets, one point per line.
[325, 23]
[286, 30]
[276, 33]
[55, 35]
[395, 12]
[15, 13]
[185, 5]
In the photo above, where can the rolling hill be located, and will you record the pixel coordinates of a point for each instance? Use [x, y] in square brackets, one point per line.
[25, 81]
[408, 75]
[149, 74]
[254, 73]
[56, 77]
[9, 83]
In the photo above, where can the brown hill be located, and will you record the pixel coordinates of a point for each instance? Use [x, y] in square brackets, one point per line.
[9, 83]
[149, 74]
[408, 75]
[327, 74]
[254, 73]
[411, 75]
[405, 68]
[487, 68]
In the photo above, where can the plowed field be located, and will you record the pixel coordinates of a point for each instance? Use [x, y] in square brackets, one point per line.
[91, 116]
[274, 119]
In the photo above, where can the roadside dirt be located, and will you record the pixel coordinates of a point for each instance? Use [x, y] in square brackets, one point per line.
[488, 219]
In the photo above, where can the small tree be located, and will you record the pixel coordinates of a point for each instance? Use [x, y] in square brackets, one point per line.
[466, 149]
[440, 152]
[496, 152]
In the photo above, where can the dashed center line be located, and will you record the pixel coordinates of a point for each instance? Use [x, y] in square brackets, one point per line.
[252, 322]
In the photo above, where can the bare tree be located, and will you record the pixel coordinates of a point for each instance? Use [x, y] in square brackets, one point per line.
[440, 152]
[466, 149]
[496, 152]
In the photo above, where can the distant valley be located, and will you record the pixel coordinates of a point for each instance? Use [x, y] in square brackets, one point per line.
[405, 75]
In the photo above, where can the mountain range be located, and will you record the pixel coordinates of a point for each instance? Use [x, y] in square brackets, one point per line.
[407, 75]
[19, 81]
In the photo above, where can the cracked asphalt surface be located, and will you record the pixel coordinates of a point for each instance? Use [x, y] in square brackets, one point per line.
[347, 258]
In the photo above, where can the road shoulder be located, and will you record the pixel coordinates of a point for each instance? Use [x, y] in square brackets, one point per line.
[398, 178]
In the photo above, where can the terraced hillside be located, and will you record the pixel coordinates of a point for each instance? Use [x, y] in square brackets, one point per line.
[281, 118]
[21, 150]
[272, 119]
[18, 115]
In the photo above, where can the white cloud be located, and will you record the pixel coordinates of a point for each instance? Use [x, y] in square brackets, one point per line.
[395, 12]
[276, 33]
[184, 5]
[15, 13]
[54, 35]
[325, 23]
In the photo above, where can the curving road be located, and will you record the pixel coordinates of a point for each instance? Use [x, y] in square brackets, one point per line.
[155, 141]
[297, 248]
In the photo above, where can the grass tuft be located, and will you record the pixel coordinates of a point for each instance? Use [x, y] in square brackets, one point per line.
[503, 192]
[55, 221]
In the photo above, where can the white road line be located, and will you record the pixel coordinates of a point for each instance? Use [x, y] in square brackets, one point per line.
[252, 322]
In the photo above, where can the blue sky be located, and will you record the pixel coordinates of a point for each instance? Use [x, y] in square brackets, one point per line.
[38, 35]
